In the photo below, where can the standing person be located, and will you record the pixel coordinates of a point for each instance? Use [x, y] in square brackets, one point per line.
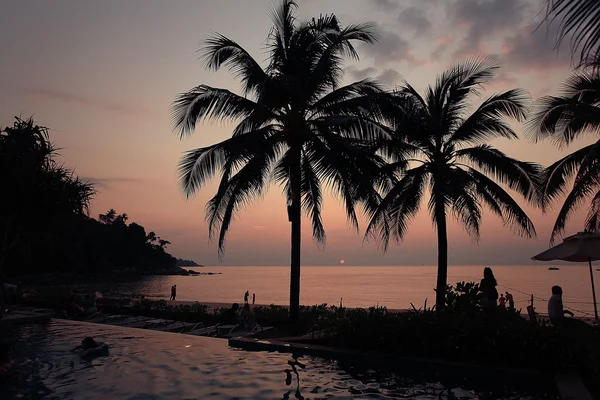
[487, 287]
[253, 298]
[502, 301]
[556, 312]
[511, 300]
[173, 292]
[246, 295]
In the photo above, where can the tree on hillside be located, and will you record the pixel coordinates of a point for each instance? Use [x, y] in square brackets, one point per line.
[439, 152]
[109, 217]
[296, 125]
[37, 192]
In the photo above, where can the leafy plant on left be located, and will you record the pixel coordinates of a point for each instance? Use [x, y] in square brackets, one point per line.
[38, 191]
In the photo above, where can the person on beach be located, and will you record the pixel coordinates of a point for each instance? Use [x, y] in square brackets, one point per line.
[173, 292]
[511, 300]
[556, 312]
[487, 287]
[253, 298]
[246, 295]
[502, 301]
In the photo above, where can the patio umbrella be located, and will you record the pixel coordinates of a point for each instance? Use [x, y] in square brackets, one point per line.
[581, 247]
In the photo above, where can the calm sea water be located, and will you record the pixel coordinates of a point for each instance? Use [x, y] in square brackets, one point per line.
[394, 287]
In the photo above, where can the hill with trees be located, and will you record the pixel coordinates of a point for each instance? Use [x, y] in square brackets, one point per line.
[44, 216]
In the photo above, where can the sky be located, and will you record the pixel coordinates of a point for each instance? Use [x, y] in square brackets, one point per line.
[103, 75]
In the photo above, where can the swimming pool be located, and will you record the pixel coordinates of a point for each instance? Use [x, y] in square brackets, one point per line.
[144, 364]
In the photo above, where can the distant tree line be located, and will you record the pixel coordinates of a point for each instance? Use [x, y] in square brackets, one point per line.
[44, 216]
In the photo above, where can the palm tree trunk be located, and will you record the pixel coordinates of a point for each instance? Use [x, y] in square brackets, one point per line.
[442, 273]
[296, 219]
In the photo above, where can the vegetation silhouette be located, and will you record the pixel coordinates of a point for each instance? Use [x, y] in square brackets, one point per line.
[44, 222]
[578, 21]
[295, 125]
[572, 115]
[437, 150]
[562, 119]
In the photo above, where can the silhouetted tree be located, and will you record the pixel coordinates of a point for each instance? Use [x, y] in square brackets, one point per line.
[38, 194]
[573, 114]
[437, 151]
[295, 124]
[109, 217]
[151, 238]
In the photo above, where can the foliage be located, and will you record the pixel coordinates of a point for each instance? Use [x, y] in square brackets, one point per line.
[562, 119]
[44, 222]
[463, 297]
[296, 125]
[577, 19]
[439, 152]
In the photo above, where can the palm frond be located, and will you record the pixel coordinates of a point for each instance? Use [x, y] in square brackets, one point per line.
[221, 51]
[518, 175]
[554, 178]
[205, 102]
[575, 112]
[397, 208]
[446, 101]
[312, 200]
[592, 221]
[585, 184]
[484, 123]
[580, 20]
[503, 205]
[464, 204]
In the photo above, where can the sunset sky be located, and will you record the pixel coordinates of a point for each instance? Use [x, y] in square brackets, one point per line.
[103, 74]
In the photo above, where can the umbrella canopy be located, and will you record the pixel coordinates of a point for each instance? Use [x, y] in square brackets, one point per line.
[581, 247]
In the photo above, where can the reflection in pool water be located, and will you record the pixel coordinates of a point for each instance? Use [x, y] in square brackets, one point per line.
[144, 364]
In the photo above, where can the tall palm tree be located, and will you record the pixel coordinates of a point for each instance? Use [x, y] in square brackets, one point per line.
[438, 147]
[295, 125]
[562, 119]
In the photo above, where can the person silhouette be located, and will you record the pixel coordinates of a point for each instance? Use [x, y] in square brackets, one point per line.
[173, 292]
[246, 295]
[487, 287]
[502, 301]
[253, 298]
[511, 300]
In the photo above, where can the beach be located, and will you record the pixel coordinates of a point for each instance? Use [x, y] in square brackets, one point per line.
[393, 287]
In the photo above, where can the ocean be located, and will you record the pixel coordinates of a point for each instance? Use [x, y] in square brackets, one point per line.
[394, 287]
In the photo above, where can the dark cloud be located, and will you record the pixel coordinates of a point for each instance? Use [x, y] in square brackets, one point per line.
[390, 77]
[415, 19]
[386, 5]
[485, 19]
[533, 49]
[361, 73]
[390, 48]
[71, 99]
[106, 182]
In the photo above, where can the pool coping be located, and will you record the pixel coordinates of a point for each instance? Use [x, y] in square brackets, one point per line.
[569, 386]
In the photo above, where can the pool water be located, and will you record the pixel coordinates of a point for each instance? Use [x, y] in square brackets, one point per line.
[144, 364]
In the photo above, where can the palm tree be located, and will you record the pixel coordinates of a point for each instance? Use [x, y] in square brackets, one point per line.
[562, 119]
[436, 145]
[295, 125]
[579, 20]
